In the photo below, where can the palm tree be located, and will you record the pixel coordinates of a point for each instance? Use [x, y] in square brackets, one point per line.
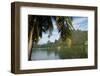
[39, 24]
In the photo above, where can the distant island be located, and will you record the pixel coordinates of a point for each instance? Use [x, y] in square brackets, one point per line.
[78, 38]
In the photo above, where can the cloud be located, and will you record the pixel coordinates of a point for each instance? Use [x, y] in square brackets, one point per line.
[80, 23]
[55, 35]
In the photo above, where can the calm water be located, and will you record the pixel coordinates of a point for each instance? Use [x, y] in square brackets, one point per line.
[44, 54]
[51, 54]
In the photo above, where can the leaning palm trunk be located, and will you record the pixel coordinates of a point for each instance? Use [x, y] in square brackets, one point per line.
[39, 24]
[30, 43]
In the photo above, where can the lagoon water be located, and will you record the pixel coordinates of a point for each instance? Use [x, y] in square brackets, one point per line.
[44, 54]
[64, 53]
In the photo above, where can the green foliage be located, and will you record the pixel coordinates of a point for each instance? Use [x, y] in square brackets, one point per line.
[39, 24]
[44, 24]
[77, 51]
[65, 27]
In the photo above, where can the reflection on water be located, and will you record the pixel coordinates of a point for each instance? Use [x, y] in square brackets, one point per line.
[44, 54]
[64, 53]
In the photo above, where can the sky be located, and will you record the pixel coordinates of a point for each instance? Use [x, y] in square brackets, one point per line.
[55, 35]
[80, 23]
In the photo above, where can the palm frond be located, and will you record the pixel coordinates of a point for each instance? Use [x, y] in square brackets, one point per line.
[64, 25]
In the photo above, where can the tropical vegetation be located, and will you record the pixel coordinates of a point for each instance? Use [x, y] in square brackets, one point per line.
[39, 24]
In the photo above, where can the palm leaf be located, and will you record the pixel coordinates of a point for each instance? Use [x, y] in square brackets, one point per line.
[64, 25]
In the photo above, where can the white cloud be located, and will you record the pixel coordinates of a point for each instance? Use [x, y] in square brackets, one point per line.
[55, 35]
[80, 23]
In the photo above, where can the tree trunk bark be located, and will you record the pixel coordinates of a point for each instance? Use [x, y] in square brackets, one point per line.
[30, 43]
